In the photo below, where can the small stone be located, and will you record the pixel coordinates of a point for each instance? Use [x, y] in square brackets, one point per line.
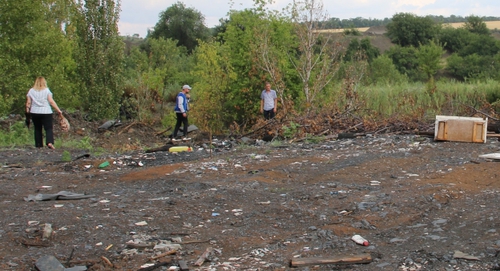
[49, 263]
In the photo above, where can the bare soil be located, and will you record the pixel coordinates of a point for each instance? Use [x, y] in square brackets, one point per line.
[259, 205]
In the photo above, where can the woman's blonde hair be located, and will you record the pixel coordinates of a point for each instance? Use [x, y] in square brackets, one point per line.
[40, 83]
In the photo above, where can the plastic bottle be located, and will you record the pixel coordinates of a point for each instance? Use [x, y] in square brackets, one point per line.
[179, 149]
[104, 164]
[360, 240]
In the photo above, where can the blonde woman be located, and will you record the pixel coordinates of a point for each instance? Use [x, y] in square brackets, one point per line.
[38, 104]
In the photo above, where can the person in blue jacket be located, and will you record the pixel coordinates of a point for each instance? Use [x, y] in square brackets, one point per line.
[181, 110]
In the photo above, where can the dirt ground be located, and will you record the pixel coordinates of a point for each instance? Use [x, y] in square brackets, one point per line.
[257, 206]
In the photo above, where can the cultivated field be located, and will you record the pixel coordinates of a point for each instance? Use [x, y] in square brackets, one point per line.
[491, 25]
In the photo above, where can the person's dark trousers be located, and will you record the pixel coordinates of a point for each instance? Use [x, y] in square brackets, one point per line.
[43, 121]
[181, 120]
[269, 114]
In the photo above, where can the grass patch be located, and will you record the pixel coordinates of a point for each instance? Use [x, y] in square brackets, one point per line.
[16, 135]
[66, 156]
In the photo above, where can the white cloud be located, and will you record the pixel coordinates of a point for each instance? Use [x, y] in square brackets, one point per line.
[414, 3]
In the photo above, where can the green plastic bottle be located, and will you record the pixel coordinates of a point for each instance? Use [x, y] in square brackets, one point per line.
[180, 149]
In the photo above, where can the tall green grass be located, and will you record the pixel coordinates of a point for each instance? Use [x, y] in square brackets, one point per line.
[16, 135]
[416, 100]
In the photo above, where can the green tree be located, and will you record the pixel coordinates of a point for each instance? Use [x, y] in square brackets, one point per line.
[474, 66]
[213, 89]
[186, 25]
[454, 39]
[275, 38]
[153, 76]
[33, 44]
[475, 24]
[317, 58]
[484, 45]
[100, 57]
[240, 39]
[407, 29]
[364, 46]
[429, 58]
[406, 61]
[383, 71]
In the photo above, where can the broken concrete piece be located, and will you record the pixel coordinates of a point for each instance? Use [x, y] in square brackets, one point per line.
[460, 255]
[49, 263]
[183, 265]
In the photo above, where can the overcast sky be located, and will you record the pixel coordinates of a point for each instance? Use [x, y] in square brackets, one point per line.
[139, 15]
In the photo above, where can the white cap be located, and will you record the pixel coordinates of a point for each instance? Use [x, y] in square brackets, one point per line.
[186, 87]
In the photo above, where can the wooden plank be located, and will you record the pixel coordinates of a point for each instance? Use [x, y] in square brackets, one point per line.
[164, 254]
[204, 257]
[361, 258]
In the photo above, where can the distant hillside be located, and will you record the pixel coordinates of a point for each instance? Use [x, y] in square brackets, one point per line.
[377, 37]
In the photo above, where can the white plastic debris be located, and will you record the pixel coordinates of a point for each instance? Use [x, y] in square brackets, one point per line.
[47, 231]
[360, 240]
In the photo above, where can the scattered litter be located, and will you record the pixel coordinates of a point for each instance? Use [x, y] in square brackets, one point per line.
[167, 246]
[494, 156]
[142, 223]
[204, 257]
[264, 202]
[259, 252]
[109, 124]
[237, 212]
[360, 240]
[47, 231]
[62, 195]
[58, 205]
[104, 164]
[374, 183]
[180, 149]
[104, 201]
[161, 198]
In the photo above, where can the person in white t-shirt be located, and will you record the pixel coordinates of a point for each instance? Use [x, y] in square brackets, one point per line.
[268, 102]
[39, 104]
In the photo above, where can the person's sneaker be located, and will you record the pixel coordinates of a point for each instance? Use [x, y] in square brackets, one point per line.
[186, 138]
[176, 139]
